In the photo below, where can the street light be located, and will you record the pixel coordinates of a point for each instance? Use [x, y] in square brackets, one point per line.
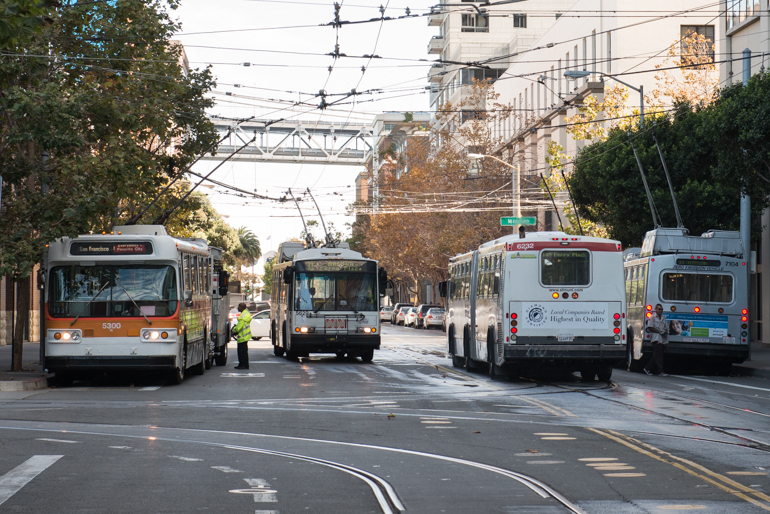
[515, 182]
[579, 74]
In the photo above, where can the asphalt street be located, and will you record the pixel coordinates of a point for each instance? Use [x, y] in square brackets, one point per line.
[405, 433]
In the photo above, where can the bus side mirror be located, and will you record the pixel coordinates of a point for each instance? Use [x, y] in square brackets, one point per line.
[287, 273]
[224, 277]
[382, 277]
[442, 289]
[188, 299]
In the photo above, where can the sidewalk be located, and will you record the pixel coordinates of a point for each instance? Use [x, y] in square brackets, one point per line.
[758, 366]
[31, 378]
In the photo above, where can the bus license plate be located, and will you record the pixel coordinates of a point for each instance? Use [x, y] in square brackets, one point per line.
[566, 338]
[336, 323]
[728, 340]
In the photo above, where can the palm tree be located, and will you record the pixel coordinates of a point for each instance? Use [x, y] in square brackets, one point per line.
[250, 251]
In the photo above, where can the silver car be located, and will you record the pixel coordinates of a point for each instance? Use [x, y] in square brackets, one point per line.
[434, 318]
[386, 312]
[410, 318]
[401, 314]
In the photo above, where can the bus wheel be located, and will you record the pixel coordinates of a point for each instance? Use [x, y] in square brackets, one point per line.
[340, 355]
[292, 356]
[588, 374]
[177, 376]
[469, 364]
[604, 373]
[367, 355]
[208, 351]
[221, 359]
[64, 379]
[277, 351]
[495, 371]
[200, 368]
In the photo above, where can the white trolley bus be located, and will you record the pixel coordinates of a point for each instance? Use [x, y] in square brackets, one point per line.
[325, 300]
[136, 299]
[702, 284]
[539, 299]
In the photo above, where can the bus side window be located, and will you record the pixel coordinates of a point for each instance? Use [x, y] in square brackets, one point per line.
[634, 283]
[496, 284]
[186, 265]
[640, 286]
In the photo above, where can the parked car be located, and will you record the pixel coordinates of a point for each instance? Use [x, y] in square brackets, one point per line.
[260, 325]
[386, 313]
[400, 314]
[422, 310]
[396, 309]
[434, 318]
[410, 318]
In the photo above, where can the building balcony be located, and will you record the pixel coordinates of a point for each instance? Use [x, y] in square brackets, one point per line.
[436, 45]
[436, 17]
[436, 73]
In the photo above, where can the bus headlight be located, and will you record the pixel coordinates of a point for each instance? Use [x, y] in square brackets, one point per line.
[65, 336]
[304, 330]
[151, 335]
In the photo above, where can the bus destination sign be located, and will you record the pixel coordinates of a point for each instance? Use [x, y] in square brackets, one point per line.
[111, 248]
[333, 265]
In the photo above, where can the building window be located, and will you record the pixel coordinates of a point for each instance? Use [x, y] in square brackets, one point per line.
[740, 10]
[480, 75]
[694, 50]
[475, 23]
[520, 21]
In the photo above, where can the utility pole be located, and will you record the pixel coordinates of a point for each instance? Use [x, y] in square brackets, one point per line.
[746, 201]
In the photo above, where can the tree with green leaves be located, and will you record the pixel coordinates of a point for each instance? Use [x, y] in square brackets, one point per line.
[713, 153]
[97, 113]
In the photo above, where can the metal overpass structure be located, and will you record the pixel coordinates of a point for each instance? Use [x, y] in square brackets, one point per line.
[303, 142]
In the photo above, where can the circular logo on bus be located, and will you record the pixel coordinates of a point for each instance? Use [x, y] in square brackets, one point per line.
[536, 315]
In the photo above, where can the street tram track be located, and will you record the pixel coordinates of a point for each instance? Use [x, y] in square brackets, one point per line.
[384, 492]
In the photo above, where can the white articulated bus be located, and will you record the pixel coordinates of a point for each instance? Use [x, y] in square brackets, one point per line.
[326, 300]
[136, 299]
[702, 284]
[547, 299]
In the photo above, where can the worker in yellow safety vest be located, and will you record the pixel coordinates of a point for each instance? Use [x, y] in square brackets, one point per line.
[242, 333]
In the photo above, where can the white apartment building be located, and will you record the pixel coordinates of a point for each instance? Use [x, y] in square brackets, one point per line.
[477, 33]
[604, 38]
[745, 25]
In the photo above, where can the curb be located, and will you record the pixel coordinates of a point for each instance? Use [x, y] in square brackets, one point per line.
[747, 371]
[26, 385]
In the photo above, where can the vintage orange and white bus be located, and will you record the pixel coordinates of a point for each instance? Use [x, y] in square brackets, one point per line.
[136, 299]
[547, 299]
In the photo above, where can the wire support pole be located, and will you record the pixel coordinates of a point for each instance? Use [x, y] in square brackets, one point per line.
[323, 223]
[552, 201]
[653, 210]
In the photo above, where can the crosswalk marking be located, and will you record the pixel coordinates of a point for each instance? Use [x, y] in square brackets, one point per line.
[21, 475]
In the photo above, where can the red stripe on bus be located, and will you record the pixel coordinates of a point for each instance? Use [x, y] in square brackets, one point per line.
[573, 245]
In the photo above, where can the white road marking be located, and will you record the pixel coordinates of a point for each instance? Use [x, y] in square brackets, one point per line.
[58, 440]
[226, 469]
[265, 512]
[21, 475]
[722, 383]
[121, 447]
[150, 388]
[545, 462]
[186, 459]
[262, 492]
[243, 375]
[531, 454]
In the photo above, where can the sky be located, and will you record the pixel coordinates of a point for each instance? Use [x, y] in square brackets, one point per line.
[285, 46]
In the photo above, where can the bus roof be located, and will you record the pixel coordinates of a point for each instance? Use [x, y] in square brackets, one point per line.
[679, 240]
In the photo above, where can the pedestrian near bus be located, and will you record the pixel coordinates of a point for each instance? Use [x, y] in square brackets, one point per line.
[242, 332]
[657, 325]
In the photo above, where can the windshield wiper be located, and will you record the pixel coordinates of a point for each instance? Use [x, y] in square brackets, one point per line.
[89, 303]
[120, 283]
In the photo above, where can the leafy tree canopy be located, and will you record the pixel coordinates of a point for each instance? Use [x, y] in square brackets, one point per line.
[97, 115]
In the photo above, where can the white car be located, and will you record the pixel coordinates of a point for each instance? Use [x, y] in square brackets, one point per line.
[386, 313]
[260, 325]
[434, 318]
[410, 319]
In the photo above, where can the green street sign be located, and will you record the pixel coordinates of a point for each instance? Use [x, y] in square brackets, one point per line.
[509, 222]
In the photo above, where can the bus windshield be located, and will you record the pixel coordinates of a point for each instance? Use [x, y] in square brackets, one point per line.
[565, 268]
[103, 291]
[335, 291]
[697, 287]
